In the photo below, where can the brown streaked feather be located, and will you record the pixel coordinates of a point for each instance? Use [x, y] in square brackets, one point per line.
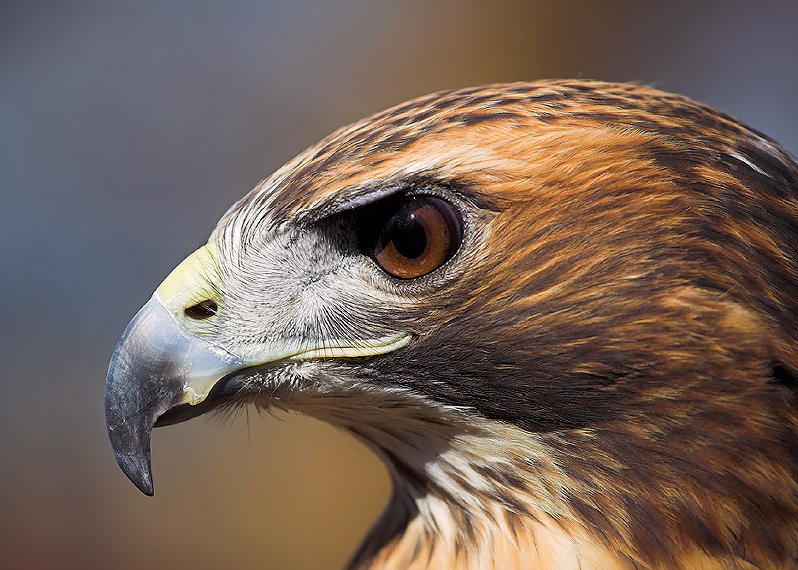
[623, 326]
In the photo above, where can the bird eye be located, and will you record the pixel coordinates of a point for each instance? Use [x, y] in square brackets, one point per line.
[422, 235]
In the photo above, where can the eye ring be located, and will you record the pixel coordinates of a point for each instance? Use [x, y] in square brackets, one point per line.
[418, 237]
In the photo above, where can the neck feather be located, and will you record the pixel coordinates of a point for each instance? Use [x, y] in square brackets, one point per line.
[482, 496]
[473, 493]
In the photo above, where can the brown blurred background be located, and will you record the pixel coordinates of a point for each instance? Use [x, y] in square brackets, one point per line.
[127, 129]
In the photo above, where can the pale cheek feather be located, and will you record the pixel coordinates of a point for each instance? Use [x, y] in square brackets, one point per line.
[309, 291]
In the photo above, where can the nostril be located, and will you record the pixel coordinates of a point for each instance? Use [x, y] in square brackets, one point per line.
[202, 310]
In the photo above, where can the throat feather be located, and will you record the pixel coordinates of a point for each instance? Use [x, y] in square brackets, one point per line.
[492, 498]
[471, 493]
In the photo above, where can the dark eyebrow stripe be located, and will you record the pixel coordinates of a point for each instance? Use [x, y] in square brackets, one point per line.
[363, 196]
[380, 189]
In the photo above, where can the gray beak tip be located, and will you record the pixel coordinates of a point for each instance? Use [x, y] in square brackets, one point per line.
[131, 445]
[138, 471]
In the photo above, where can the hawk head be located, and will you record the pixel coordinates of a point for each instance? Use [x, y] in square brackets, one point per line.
[565, 315]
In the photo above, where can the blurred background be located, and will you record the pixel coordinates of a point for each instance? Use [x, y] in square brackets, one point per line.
[128, 128]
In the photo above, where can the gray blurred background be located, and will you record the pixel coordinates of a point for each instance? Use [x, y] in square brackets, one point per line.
[127, 129]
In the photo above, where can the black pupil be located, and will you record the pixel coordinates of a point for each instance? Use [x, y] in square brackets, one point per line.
[407, 234]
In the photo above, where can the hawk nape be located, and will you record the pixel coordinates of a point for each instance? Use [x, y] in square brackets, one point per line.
[564, 314]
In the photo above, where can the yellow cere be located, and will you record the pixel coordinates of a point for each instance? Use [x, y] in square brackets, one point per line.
[191, 281]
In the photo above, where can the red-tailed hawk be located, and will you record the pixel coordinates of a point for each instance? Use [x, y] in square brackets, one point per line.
[565, 315]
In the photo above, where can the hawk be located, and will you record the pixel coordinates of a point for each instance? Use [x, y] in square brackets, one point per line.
[564, 314]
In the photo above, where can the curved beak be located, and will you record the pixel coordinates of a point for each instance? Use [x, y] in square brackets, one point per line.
[160, 364]
[155, 367]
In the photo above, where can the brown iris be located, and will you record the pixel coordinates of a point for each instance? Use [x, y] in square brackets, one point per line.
[420, 237]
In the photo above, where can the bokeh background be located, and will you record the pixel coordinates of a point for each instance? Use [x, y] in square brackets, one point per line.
[127, 129]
